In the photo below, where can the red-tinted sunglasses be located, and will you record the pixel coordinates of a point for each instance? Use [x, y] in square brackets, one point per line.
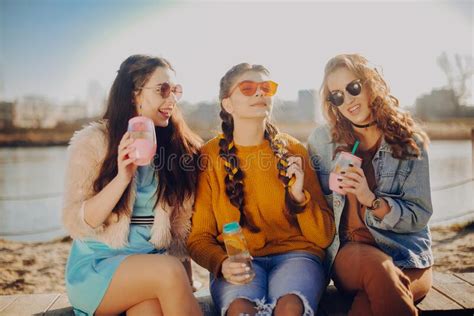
[164, 89]
[248, 88]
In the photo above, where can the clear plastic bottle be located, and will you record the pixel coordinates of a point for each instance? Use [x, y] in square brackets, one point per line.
[236, 247]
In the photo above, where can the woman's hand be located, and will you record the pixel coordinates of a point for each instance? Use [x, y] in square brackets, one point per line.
[235, 272]
[125, 164]
[354, 181]
[295, 168]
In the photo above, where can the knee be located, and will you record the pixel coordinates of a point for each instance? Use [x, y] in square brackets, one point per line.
[241, 306]
[148, 307]
[379, 271]
[420, 291]
[172, 272]
[289, 304]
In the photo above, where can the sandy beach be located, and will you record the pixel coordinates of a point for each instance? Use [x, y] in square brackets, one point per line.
[39, 267]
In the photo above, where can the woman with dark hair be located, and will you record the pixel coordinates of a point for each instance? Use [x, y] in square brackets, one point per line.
[124, 218]
[382, 250]
[261, 178]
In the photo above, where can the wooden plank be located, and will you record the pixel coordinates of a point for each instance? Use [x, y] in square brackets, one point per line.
[468, 277]
[52, 302]
[7, 300]
[66, 311]
[436, 301]
[61, 302]
[456, 289]
[29, 304]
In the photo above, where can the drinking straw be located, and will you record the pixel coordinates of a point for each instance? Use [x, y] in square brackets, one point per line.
[355, 147]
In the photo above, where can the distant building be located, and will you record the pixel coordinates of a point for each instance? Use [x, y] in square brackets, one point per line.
[308, 103]
[35, 112]
[285, 111]
[6, 115]
[72, 112]
[304, 110]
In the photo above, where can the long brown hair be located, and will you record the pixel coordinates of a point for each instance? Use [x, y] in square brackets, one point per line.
[228, 152]
[173, 142]
[399, 129]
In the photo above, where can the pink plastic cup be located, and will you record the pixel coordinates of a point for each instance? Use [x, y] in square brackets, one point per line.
[342, 163]
[142, 130]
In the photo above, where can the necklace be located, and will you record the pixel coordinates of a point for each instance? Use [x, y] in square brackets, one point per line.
[365, 125]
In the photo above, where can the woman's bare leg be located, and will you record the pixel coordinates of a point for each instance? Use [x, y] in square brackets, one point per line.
[146, 308]
[146, 277]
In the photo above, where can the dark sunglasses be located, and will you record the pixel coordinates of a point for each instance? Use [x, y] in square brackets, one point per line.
[336, 97]
[164, 89]
[248, 88]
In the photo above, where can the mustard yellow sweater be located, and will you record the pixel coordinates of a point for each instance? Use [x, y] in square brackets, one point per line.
[264, 196]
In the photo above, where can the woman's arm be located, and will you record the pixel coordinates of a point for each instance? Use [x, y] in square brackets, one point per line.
[83, 210]
[317, 219]
[406, 212]
[202, 241]
[99, 207]
[411, 210]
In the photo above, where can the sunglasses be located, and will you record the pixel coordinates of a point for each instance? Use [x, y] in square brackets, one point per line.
[354, 88]
[164, 89]
[248, 88]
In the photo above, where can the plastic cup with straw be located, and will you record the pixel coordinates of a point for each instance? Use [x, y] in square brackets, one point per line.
[343, 162]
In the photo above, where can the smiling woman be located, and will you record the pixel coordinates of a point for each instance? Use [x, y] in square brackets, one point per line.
[124, 217]
[382, 250]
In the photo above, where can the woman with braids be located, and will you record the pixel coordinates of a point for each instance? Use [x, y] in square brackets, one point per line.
[124, 219]
[382, 249]
[261, 178]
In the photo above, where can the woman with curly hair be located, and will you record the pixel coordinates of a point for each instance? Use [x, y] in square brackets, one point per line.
[382, 249]
[261, 178]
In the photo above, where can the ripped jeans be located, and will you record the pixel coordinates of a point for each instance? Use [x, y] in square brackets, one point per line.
[297, 272]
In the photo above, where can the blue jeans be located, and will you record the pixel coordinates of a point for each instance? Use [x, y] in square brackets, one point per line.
[298, 273]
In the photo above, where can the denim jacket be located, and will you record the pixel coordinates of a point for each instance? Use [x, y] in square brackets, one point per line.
[403, 233]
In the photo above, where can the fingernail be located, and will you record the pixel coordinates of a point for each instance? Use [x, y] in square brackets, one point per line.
[247, 269]
[351, 165]
[339, 179]
[340, 187]
[243, 265]
[343, 172]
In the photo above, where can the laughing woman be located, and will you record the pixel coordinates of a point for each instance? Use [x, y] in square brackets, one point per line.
[261, 178]
[124, 218]
[382, 251]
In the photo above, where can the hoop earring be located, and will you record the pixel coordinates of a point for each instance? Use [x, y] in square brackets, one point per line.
[140, 110]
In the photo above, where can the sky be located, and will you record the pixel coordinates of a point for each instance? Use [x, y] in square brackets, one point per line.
[58, 49]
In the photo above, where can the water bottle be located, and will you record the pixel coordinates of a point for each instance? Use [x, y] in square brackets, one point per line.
[236, 247]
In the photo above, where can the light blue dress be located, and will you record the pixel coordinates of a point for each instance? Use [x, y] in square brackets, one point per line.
[92, 264]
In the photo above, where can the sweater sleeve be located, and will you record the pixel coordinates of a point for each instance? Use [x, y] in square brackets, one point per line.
[80, 175]
[202, 242]
[317, 219]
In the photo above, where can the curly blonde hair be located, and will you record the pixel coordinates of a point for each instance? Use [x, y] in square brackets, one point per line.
[399, 129]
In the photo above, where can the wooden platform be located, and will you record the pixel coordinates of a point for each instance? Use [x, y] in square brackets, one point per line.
[452, 294]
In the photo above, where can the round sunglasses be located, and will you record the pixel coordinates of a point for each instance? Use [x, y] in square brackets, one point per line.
[336, 97]
[164, 89]
[248, 88]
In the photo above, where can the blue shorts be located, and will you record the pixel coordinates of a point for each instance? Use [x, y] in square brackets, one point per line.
[298, 273]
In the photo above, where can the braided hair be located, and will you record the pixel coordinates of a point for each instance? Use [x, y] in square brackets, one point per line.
[234, 180]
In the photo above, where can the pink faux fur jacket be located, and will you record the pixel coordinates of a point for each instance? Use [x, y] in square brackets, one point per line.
[86, 152]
